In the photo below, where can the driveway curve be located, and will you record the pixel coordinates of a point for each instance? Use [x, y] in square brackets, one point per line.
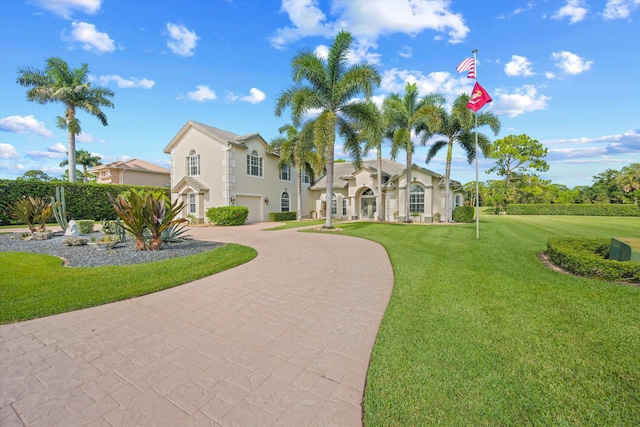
[283, 340]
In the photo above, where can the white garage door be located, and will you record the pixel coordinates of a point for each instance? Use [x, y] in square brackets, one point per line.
[254, 203]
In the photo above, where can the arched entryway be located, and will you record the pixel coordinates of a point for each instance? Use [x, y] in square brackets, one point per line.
[368, 205]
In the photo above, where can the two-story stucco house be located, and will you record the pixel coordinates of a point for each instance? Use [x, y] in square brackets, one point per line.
[132, 172]
[211, 167]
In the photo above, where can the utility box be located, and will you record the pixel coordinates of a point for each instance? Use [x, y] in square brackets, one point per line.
[625, 249]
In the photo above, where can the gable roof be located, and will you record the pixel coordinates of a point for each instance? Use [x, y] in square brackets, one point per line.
[219, 135]
[191, 182]
[342, 172]
[133, 164]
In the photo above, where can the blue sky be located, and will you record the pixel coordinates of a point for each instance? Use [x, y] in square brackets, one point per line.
[564, 72]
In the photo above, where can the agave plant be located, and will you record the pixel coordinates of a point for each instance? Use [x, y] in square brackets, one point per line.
[161, 217]
[32, 211]
[131, 212]
[147, 214]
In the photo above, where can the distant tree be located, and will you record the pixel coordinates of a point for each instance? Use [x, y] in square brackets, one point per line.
[629, 181]
[517, 155]
[296, 149]
[332, 87]
[407, 114]
[59, 83]
[84, 158]
[35, 175]
[79, 174]
[605, 188]
[459, 126]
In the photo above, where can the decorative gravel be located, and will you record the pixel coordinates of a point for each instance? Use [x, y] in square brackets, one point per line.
[88, 256]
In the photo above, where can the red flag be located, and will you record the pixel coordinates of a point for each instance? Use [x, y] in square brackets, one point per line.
[468, 64]
[479, 97]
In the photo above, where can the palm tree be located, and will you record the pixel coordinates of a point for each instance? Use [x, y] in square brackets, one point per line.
[406, 114]
[332, 88]
[457, 126]
[59, 83]
[372, 131]
[84, 158]
[297, 149]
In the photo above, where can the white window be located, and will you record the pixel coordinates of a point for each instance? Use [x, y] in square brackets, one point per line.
[105, 173]
[416, 199]
[284, 202]
[306, 179]
[334, 205]
[192, 203]
[254, 164]
[344, 207]
[193, 163]
[285, 173]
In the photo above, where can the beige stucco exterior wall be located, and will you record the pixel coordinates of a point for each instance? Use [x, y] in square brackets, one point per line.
[135, 177]
[223, 170]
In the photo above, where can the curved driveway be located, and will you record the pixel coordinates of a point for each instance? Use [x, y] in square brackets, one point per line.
[282, 340]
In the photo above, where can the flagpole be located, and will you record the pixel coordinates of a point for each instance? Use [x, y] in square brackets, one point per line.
[475, 63]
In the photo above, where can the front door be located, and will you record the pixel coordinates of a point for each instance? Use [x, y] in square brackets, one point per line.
[367, 206]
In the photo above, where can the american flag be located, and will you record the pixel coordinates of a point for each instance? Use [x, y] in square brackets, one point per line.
[468, 64]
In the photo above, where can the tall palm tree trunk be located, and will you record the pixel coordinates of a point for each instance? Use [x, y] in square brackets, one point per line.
[447, 174]
[329, 196]
[407, 217]
[299, 185]
[379, 192]
[71, 137]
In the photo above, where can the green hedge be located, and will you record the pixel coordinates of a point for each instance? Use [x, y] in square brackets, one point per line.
[283, 216]
[589, 257]
[463, 214]
[84, 200]
[580, 210]
[228, 215]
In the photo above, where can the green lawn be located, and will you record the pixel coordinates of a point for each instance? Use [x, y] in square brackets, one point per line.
[33, 285]
[480, 333]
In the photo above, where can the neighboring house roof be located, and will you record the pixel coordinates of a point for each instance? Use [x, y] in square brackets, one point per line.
[222, 136]
[133, 164]
[191, 182]
[342, 172]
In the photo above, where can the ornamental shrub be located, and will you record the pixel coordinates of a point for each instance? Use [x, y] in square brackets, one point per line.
[228, 215]
[463, 214]
[579, 210]
[589, 258]
[83, 199]
[283, 216]
[85, 226]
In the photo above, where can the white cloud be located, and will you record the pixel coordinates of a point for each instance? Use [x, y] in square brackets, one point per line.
[575, 10]
[322, 51]
[57, 151]
[132, 82]
[368, 20]
[24, 124]
[88, 138]
[201, 94]
[406, 52]
[518, 66]
[615, 9]
[550, 75]
[8, 151]
[395, 81]
[90, 39]
[255, 96]
[65, 8]
[181, 41]
[571, 63]
[525, 99]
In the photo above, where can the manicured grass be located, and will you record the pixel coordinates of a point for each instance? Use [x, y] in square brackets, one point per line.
[33, 285]
[480, 333]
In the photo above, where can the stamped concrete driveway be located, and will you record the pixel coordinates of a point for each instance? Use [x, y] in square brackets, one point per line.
[282, 340]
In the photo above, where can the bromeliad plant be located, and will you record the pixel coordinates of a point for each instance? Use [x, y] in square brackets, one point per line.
[32, 211]
[147, 214]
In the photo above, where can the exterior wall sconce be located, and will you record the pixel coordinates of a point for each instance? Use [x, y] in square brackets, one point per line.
[266, 200]
[232, 200]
